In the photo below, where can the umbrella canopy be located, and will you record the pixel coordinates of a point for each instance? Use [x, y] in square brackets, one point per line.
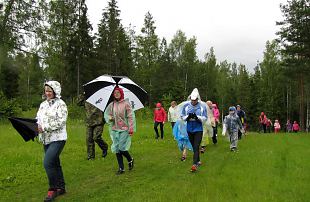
[27, 128]
[98, 92]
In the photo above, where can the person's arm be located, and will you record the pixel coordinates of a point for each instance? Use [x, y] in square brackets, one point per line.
[203, 116]
[169, 115]
[165, 115]
[184, 115]
[129, 113]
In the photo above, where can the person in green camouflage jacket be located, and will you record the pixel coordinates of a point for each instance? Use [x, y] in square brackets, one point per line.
[94, 129]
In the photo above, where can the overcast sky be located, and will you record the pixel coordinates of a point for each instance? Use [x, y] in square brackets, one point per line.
[237, 29]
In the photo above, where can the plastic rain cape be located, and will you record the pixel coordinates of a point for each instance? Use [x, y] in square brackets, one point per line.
[180, 127]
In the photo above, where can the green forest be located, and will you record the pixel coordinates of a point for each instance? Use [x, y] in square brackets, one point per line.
[53, 40]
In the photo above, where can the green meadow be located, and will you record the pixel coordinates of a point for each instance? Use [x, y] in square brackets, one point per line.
[267, 167]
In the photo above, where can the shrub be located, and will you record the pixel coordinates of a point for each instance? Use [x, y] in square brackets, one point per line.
[9, 107]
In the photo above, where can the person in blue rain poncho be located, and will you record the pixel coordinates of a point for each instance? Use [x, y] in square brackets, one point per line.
[194, 113]
[232, 125]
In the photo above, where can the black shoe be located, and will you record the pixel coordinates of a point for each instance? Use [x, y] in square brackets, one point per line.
[120, 171]
[131, 164]
[183, 158]
[104, 153]
[90, 158]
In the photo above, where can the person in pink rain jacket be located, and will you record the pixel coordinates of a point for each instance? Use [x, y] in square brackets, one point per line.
[277, 126]
[160, 117]
[295, 127]
[216, 115]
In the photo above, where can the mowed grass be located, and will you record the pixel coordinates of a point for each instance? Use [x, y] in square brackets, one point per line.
[268, 167]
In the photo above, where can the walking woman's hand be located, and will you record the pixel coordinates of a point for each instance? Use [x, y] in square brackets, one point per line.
[131, 132]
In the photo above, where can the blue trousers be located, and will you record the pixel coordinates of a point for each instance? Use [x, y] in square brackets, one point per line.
[52, 164]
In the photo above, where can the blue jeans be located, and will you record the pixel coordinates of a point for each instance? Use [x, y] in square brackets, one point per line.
[52, 164]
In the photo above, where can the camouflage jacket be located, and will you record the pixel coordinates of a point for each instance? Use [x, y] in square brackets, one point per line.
[94, 116]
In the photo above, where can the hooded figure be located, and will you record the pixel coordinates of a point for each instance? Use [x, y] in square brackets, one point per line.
[51, 120]
[232, 125]
[121, 119]
[194, 113]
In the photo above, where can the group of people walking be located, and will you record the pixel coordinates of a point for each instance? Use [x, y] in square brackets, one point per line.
[51, 119]
[193, 123]
[267, 126]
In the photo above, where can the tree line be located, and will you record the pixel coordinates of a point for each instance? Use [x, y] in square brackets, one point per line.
[43, 40]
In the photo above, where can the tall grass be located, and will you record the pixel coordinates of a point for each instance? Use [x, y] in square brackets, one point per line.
[268, 167]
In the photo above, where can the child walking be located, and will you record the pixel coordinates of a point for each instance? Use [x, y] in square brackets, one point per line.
[277, 126]
[295, 127]
[160, 117]
[232, 125]
[121, 119]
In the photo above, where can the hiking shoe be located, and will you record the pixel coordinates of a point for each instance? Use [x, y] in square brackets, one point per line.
[120, 171]
[202, 149]
[104, 153]
[131, 164]
[183, 158]
[234, 149]
[194, 168]
[51, 195]
[60, 192]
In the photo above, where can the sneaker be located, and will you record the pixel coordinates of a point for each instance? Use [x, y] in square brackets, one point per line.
[183, 158]
[199, 163]
[90, 158]
[194, 168]
[104, 153]
[120, 171]
[60, 192]
[202, 149]
[131, 164]
[234, 149]
[51, 195]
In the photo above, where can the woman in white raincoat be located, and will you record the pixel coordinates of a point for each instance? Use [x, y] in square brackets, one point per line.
[52, 117]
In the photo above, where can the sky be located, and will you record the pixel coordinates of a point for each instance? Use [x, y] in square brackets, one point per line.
[237, 29]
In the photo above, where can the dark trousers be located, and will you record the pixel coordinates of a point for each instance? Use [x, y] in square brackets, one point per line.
[119, 157]
[94, 134]
[161, 125]
[264, 127]
[239, 135]
[214, 138]
[195, 139]
[172, 125]
[52, 164]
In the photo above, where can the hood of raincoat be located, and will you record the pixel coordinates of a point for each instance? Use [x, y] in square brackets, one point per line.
[195, 94]
[55, 85]
[121, 92]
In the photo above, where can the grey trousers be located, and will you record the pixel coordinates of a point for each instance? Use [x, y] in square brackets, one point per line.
[233, 138]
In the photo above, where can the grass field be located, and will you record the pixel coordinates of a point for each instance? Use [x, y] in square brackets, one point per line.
[266, 168]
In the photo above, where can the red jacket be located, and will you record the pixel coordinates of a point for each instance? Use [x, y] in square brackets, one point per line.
[295, 127]
[160, 115]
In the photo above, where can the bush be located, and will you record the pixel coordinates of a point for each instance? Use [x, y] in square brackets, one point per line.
[76, 112]
[9, 107]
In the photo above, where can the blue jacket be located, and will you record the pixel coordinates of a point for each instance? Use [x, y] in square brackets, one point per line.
[192, 124]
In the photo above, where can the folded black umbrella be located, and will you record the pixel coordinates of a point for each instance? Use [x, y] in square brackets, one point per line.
[27, 128]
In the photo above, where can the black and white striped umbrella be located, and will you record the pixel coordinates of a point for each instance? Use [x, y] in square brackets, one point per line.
[98, 92]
